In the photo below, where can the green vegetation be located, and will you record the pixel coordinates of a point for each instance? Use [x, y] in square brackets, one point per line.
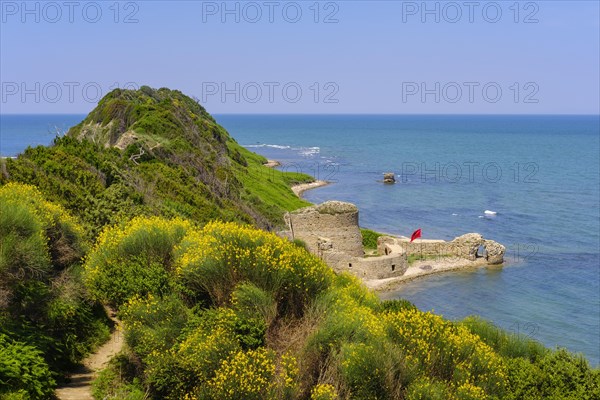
[119, 380]
[47, 321]
[249, 315]
[369, 238]
[175, 161]
[212, 307]
[23, 372]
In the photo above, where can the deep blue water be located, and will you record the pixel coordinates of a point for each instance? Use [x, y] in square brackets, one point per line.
[541, 174]
[19, 131]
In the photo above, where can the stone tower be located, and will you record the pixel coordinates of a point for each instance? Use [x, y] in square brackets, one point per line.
[334, 221]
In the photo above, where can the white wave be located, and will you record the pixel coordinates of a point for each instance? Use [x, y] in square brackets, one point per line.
[303, 151]
[455, 214]
[273, 146]
[308, 151]
[488, 212]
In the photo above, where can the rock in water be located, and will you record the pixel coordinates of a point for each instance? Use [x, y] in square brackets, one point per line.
[389, 177]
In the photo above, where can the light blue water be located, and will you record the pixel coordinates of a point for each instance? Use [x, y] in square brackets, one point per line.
[540, 173]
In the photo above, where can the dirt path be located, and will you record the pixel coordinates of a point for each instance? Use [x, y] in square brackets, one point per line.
[79, 388]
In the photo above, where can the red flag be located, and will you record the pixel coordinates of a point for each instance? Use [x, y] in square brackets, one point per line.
[416, 234]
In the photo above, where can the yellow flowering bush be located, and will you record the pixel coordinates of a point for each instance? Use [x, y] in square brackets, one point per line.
[362, 369]
[424, 388]
[35, 232]
[253, 374]
[134, 259]
[49, 213]
[206, 341]
[323, 392]
[288, 375]
[351, 337]
[245, 376]
[349, 313]
[203, 349]
[468, 391]
[153, 324]
[42, 301]
[446, 351]
[216, 258]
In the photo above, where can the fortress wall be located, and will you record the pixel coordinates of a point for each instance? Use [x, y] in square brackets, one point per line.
[465, 246]
[334, 220]
[367, 268]
[330, 231]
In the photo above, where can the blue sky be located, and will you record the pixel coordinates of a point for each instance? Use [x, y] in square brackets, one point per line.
[396, 57]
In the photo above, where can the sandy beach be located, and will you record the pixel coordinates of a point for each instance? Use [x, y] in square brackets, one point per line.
[303, 187]
[272, 164]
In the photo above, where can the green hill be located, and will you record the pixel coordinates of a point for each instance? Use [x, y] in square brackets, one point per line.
[155, 152]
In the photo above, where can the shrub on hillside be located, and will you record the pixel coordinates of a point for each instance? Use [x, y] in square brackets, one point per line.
[23, 372]
[506, 344]
[447, 352]
[214, 260]
[119, 380]
[42, 300]
[36, 236]
[134, 259]
[252, 302]
[558, 375]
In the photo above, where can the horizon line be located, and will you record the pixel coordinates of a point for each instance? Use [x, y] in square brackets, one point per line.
[350, 114]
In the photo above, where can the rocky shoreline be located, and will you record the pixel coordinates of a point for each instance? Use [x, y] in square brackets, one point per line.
[272, 164]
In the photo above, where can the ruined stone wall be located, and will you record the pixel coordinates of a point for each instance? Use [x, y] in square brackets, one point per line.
[379, 267]
[335, 220]
[465, 246]
[330, 231]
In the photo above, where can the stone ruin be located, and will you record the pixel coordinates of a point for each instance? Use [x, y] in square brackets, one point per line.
[331, 231]
[470, 246]
[335, 220]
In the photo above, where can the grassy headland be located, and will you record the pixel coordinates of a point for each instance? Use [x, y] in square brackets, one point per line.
[151, 207]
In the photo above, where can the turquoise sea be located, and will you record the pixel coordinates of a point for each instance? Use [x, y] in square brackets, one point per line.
[541, 174]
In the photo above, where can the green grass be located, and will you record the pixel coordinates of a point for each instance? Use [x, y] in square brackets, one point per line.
[506, 344]
[369, 238]
[268, 189]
